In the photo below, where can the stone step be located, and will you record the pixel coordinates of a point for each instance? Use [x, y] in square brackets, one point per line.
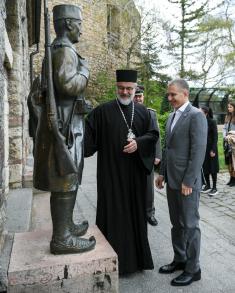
[18, 211]
[19, 206]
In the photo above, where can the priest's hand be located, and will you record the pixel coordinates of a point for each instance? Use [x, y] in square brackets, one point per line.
[131, 147]
[212, 154]
[186, 190]
[159, 182]
[156, 161]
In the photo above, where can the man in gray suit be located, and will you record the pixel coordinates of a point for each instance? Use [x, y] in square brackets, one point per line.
[183, 155]
[150, 208]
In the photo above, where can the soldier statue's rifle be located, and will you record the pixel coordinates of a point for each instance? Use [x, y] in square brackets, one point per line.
[63, 158]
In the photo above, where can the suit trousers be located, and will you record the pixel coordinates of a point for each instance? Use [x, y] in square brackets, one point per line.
[185, 232]
[150, 209]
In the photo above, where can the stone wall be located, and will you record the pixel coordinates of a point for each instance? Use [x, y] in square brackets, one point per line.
[2, 152]
[5, 63]
[18, 89]
[14, 87]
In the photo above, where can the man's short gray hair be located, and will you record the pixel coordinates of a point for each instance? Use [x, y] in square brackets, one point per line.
[181, 83]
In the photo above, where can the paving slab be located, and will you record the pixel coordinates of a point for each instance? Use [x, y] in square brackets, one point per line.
[19, 206]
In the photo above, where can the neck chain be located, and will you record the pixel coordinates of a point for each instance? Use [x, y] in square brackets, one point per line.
[130, 134]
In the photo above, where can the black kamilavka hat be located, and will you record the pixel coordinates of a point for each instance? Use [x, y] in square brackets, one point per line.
[128, 75]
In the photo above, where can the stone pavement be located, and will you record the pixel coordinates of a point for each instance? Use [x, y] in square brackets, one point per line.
[224, 201]
[217, 226]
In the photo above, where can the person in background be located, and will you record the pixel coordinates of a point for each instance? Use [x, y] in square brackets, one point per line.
[229, 125]
[150, 208]
[211, 162]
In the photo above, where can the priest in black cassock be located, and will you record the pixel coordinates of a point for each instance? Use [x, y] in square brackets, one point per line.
[124, 136]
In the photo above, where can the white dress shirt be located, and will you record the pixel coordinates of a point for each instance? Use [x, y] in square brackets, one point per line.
[178, 113]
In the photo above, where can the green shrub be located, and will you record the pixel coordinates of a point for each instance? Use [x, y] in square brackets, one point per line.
[165, 106]
[162, 119]
[105, 85]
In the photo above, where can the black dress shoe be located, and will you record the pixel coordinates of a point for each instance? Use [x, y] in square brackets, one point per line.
[152, 221]
[172, 267]
[229, 181]
[186, 279]
[232, 182]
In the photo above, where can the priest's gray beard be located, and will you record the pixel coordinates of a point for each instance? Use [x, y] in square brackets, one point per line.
[125, 101]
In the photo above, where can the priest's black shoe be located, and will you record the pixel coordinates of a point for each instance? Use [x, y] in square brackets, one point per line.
[232, 182]
[172, 267]
[152, 221]
[186, 279]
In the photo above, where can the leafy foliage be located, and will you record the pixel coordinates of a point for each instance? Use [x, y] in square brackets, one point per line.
[154, 93]
[185, 35]
[105, 87]
[162, 119]
[165, 106]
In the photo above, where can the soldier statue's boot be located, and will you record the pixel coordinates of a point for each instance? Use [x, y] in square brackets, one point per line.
[81, 228]
[63, 241]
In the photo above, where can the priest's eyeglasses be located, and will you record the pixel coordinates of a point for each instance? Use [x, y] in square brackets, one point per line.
[123, 88]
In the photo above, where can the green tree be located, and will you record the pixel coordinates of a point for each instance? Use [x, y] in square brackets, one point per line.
[213, 56]
[104, 87]
[149, 67]
[230, 40]
[149, 63]
[184, 35]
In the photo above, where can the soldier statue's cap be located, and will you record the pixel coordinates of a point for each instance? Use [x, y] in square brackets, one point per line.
[64, 11]
[128, 75]
[139, 90]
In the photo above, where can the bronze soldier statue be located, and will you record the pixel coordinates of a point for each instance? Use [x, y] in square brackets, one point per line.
[58, 148]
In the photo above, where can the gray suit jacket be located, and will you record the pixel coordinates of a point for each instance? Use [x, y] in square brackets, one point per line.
[184, 149]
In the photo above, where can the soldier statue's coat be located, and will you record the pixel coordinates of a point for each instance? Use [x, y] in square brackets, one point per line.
[70, 75]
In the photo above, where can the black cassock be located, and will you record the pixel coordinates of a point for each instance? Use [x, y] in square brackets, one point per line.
[121, 180]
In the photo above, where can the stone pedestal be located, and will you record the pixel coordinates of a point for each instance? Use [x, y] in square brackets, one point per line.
[34, 269]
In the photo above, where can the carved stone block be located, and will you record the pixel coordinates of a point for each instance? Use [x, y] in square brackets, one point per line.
[33, 269]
